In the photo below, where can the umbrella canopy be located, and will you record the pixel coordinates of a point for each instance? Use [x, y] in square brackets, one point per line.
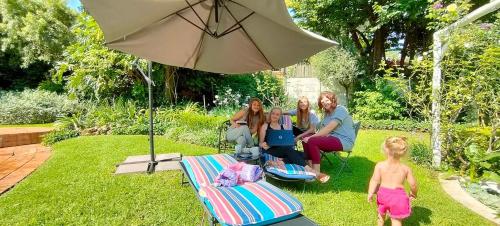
[222, 36]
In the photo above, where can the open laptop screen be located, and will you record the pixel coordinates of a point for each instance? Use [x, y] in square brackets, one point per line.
[280, 138]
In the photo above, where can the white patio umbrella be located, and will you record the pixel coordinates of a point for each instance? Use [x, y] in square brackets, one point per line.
[221, 36]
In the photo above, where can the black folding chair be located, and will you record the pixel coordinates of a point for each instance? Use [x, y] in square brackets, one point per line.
[224, 145]
[338, 154]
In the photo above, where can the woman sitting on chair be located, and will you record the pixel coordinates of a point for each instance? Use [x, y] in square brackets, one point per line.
[306, 119]
[287, 154]
[246, 123]
[336, 131]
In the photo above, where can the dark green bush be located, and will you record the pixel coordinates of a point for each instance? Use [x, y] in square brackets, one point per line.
[58, 135]
[421, 154]
[402, 125]
[188, 123]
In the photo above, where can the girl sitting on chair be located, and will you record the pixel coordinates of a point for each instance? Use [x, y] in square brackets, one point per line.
[244, 124]
[306, 119]
[287, 154]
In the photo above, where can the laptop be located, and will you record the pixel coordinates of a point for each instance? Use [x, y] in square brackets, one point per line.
[280, 138]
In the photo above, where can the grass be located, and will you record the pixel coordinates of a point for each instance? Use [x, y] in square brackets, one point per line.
[27, 125]
[77, 186]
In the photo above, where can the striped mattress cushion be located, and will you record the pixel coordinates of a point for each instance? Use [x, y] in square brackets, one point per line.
[258, 203]
[203, 169]
[291, 171]
[286, 121]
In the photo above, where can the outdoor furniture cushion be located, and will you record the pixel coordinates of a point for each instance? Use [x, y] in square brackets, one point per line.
[291, 171]
[258, 203]
[204, 169]
[254, 203]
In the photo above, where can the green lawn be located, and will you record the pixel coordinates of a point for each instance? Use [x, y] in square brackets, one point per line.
[77, 186]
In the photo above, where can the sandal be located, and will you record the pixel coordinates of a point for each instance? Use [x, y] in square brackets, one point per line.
[323, 178]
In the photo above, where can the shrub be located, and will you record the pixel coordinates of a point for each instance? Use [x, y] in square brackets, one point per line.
[34, 106]
[374, 105]
[188, 123]
[421, 154]
[402, 125]
[58, 135]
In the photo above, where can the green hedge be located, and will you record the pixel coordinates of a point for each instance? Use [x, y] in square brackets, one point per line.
[401, 125]
[187, 124]
[34, 107]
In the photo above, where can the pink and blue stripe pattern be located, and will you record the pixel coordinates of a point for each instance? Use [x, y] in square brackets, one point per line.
[291, 171]
[258, 203]
[250, 204]
[203, 169]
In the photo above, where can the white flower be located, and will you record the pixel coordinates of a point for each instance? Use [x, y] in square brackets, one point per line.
[216, 96]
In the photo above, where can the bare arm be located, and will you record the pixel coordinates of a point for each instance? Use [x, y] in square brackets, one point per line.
[311, 130]
[374, 182]
[262, 136]
[235, 117]
[412, 182]
[327, 129]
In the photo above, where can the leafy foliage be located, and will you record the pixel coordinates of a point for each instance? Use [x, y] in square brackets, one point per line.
[270, 89]
[336, 65]
[421, 154]
[373, 105]
[401, 125]
[471, 80]
[35, 30]
[188, 124]
[34, 106]
[93, 71]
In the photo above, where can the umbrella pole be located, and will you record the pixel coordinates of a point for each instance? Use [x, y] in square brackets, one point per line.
[153, 162]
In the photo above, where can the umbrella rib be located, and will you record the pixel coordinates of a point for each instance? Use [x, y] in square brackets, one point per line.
[201, 39]
[227, 31]
[195, 25]
[206, 25]
[253, 42]
[158, 21]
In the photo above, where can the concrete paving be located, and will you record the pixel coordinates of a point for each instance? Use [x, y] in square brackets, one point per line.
[453, 188]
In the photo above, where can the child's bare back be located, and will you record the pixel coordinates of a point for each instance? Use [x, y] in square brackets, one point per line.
[388, 181]
[392, 175]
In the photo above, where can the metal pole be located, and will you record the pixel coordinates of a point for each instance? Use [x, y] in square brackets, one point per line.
[438, 51]
[436, 101]
[152, 163]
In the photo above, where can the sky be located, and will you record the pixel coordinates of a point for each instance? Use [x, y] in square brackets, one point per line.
[74, 4]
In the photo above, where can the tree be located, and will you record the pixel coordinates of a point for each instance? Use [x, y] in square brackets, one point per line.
[336, 65]
[36, 30]
[91, 70]
[370, 27]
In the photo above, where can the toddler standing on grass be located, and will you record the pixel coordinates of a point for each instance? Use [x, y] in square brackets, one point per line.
[388, 181]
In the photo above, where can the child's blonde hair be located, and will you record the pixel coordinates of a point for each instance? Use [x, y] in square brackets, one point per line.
[395, 146]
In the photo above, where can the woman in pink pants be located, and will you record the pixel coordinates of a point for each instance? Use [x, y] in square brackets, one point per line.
[336, 131]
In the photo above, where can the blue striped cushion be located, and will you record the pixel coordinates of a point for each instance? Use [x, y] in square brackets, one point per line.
[257, 203]
[291, 171]
[203, 169]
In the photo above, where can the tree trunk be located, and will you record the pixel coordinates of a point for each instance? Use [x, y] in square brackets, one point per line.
[378, 53]
[404, 50]
[170, 83]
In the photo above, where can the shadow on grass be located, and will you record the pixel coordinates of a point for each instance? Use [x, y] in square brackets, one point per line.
[355, 180]
[420, 215]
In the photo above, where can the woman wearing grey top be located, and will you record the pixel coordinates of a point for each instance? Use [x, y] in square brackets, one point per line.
[306, 119]
[336, 131]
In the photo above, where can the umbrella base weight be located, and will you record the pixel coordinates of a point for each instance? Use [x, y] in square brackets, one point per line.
[143, 164]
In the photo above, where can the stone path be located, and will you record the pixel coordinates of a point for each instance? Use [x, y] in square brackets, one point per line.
[20, 154]
[453, 188]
